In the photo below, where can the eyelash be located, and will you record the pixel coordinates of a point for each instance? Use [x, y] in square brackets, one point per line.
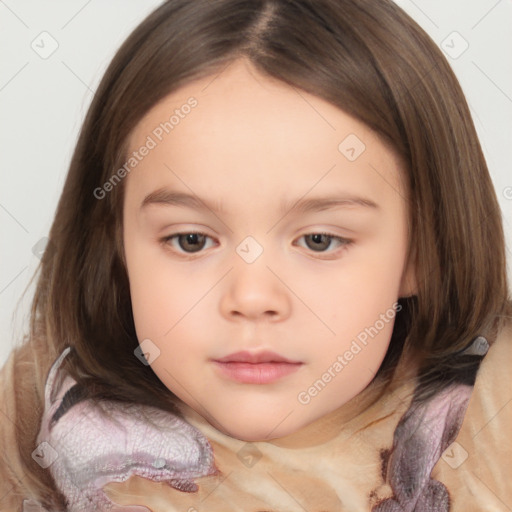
[344, 242]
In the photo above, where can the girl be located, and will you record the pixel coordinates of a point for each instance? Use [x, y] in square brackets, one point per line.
[276, 268]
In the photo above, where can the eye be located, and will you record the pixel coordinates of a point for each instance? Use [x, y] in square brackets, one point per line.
[190, 242]
[194, 241]
[318, 242]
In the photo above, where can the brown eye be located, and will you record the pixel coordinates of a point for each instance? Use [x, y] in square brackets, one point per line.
[318, 241]
[187, 242]
[322, 244]
[194, 241]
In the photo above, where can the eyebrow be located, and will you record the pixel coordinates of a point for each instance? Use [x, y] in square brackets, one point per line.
[166, 197]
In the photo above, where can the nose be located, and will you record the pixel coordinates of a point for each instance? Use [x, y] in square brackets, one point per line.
[255, 292]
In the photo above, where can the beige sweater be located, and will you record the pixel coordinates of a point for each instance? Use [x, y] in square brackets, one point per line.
[333, 464]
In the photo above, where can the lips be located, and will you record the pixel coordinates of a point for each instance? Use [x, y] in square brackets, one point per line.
[258, 368]
[259, 357]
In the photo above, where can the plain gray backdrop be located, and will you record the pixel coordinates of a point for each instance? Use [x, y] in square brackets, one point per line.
[54, 54]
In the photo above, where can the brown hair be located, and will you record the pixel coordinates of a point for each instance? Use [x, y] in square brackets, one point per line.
[365, 56]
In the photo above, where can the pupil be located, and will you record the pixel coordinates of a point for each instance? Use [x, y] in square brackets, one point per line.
[317, 239]
[191, 239]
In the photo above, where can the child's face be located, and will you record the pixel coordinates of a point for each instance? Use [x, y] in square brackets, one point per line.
[261, 279]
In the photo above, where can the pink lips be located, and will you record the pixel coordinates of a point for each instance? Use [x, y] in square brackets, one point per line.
[260, 357]
[261, 368]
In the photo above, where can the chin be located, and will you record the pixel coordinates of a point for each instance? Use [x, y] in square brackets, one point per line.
[255, 432]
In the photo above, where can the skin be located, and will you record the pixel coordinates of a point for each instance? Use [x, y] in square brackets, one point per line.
[249, 144]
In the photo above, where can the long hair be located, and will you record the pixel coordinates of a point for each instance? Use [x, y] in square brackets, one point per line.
[366, 57]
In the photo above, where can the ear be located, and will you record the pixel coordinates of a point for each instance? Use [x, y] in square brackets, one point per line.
[409, 283]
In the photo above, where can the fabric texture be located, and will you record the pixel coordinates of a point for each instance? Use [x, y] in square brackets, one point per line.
[450, 453]
[84, 448]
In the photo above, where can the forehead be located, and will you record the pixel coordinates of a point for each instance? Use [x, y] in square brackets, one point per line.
[239, 130]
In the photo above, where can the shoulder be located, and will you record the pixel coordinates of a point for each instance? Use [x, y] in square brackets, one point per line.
[10, 462]
[21, 401]
[477, 465]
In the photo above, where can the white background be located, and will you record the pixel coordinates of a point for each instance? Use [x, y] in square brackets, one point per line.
[43, 103]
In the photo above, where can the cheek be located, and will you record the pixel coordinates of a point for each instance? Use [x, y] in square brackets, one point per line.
[367, 286]
[151, 295]
[374, 301]
[162, 293]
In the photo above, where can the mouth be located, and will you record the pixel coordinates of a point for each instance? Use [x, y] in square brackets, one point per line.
[258, 368]
[257, 357]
